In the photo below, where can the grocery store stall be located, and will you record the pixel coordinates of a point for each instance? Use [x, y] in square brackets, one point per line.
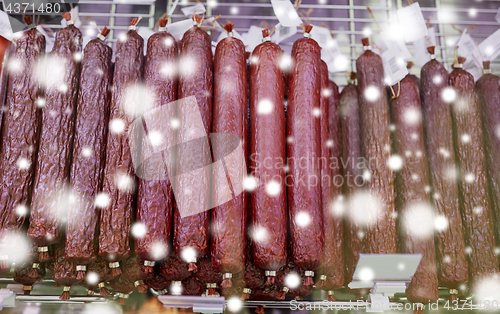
[249, 157]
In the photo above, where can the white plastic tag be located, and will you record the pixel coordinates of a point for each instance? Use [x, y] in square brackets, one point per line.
[281, 33]
[412, 21]
[285, 12]
[178, 29]
[395, 43]
[253, 37]
[5, 28]
[394, 67]
[490, 47]
[468, 49]
[195, 9]
[422, 56]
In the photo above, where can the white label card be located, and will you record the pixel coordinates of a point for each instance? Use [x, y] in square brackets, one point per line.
[412, 21]
[395, 43]
[253, 37]
[235, 34]
[145, 33]
[422, 56]
[5, 28]
[394, 67]
[281, 33]
[490, 47]
[497, 16]
[195, 9]
[330, 50]
[285, 12]
[468, 49]
[178, 29]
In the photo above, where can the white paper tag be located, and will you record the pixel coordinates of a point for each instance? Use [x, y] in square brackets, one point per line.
[285, 12]
[77, 22]
[218, 27]
[330, 50]
[395, 43]
[235, 34]
[394, 67]
[468, 49]
[49, 40]
[412, 21]
[476, 72]
[195, 9]
[178, 29]
[253, 37]
[281, 33]
[145, 33]
[490, 47]
[422, 56]
[497, 16]
[5, 28]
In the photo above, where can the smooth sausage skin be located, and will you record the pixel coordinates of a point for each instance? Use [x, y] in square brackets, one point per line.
[380, 236]
[267, 140]
[331, 269]
[228, 239]
[450, 245]
[20, 132]
[303, 137]
[89, 151]
[477, 216]
[411, 190]
[119, 173]
[155, 195]
[488, 90]
[195, 79]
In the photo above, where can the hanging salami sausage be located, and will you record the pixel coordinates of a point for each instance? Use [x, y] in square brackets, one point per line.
[119, 173]
[267, 142]
[89, 149]
[155, 195]
[20, 133]
[450, 246]
[303, 152]
[64, 273]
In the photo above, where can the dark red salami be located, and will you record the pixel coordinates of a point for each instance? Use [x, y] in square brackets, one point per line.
[331, 269]
[124, 287]
[20, 133]
[267, 142]
[100, 269]
[174, 268]
[119, 173]
[23, 274]
[89, 149]
[133, 270]
[228, 238]
[380, 235]
[155, 195]
[412, 198]
[191, 230]
[208, 275]
[64, 273]
[477, 216]
[10, 50]
[450, 245]
[49, 196]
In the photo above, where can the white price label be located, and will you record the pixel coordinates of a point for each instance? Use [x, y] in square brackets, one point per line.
[281, 33]
[253, 37]
[412, 21]
[490, 47]
[195, 9]
[468, 49]
[394, 67]
[395, 43]
[422, 56]
[285, 12]
[178, 29]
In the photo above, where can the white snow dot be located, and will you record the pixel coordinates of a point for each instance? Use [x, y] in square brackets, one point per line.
[249, 183]
[124, 182]
[117, 126]
[487, 289]
[418, 153]
[259, 234]
[176, 288]
[412, 116]
[401, 266]
[414, 136]
[472, 12]
[446, 259]
[372, 93]
[366, 274]
[175, 123]
[101, 200]
[440, 223]
[289, 139]
[158, 250]
[364, 208]
[395, 162]
[169, 42]
[497, 250]
[329, 143]
[23, 163]
[326, 92]
[273, 188]
[265, 106]
[189, 254]
[392, 127]
[361, 234]
[468, 250]
[138, 230]
[465, 138]
[408, 153]
[497, 131]
[444, 152]
[155, 138]
[418, 220]
[234, 304]
[449, 94]
[285, 62]
[437, 80]
[63, 88]
[414, 177]
[292, 280]
[77, 56]
[316, 112]
[40, 102]
[478, 210]
[462, 287]
[122, 38]
[86, 152]
[21, 210]
[469, 178]
[367, 175]
[234, 10]
[303, 219]
[436, 196]
[427, 188]
[92, 278]
[254, 59]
